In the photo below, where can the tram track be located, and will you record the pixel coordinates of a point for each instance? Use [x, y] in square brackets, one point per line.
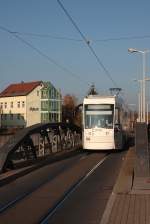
[69, 192]
[71, 187]
[21, 197]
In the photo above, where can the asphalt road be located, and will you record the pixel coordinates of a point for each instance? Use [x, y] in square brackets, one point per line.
[87, 203]
[74, 190]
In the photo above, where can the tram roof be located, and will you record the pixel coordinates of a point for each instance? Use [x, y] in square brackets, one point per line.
[100, 96]
[103, 99]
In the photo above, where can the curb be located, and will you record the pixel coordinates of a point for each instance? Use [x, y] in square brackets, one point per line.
[125, 178]
[123, 184]
[108, 209]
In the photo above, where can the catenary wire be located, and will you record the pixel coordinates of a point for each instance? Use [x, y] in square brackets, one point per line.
[48, 36]
[42, 54]
[80, 40]
[122, 38]
[87, 42]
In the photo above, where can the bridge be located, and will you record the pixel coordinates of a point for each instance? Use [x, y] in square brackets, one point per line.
[39, 140]
[115, 185]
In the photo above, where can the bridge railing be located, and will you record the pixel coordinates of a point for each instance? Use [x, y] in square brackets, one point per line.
[39, 140]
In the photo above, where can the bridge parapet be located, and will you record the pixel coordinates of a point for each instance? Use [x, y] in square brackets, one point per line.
[39, 140]
[142, 152]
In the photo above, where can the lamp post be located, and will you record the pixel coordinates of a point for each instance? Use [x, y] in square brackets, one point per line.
[133, 50]
[147, 111]
[140, 102]
[141, 114]
[132, 114]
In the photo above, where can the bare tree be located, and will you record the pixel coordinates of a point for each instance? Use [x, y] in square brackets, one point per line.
[68, 108]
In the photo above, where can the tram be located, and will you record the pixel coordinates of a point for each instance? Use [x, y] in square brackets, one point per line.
[105, 123]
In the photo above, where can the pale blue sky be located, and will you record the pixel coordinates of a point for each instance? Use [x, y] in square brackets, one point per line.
[98, 20]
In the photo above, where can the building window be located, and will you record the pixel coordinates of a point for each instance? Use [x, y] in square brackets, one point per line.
[5, 104]
[45, 105]
[22, 116]
[37, 93]
[11, 116]
[18, 116]
[44, 117]
[52, 93]
[1, 105]
[44, 94]
[11, 104]
[23, 104]
[18, 104]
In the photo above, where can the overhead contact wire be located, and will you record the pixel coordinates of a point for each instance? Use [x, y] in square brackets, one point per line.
[87, 42]
[41, 53]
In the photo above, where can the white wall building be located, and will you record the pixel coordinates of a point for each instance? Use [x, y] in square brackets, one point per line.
[21, 104]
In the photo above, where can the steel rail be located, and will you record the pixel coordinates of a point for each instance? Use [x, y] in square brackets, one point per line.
[59, 203]
[12, 203]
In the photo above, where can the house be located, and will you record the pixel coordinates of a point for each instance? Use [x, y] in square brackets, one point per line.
[51, 104]
[27, 103]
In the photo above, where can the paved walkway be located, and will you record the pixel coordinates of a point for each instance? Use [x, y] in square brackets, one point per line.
[130, 199]
[130, 209]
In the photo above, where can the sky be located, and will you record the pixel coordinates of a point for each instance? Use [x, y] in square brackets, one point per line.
[47, 46]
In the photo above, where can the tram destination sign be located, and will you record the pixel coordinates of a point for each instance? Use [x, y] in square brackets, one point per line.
[99, 106]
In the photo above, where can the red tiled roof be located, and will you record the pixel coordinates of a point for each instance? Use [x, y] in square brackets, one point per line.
[19, 89]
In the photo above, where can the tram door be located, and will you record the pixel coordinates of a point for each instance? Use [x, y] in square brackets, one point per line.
[118, 133]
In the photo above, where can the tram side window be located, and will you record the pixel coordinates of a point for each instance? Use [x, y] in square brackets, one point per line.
[117, 116]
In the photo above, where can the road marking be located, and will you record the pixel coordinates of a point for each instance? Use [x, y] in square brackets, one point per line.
[70, 191]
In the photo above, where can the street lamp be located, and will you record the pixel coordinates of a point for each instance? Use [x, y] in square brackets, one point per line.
[140, 102]
[132, 114]
[133, 50]
[147, 112]
[140, 113]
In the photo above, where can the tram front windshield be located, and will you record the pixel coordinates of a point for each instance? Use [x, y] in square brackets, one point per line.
[99, 116]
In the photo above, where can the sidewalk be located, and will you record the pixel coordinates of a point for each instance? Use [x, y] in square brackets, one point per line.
[129, 202]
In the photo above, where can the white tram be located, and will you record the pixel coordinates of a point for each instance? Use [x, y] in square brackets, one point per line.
[105, 123]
